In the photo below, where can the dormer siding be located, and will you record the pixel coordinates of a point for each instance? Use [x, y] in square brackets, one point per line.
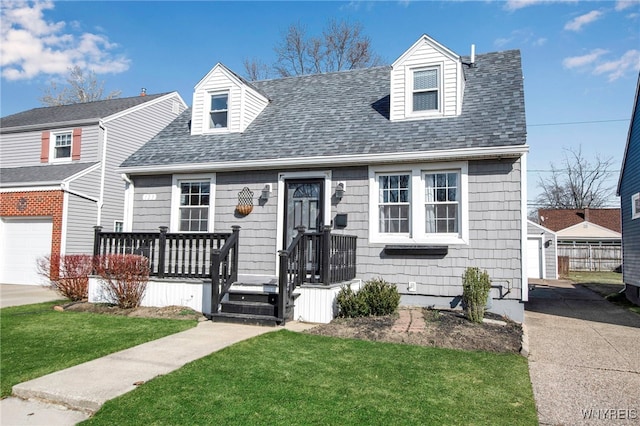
[243, 103]
[424, 55]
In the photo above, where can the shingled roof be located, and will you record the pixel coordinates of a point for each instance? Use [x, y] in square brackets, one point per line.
[347, 113]
[75, 112]
[42, 174]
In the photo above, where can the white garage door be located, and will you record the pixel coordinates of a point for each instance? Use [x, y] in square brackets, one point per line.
[534, 258]
[22, 242]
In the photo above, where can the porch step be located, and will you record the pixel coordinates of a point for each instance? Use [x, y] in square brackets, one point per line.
[249, 307]
[253, 296]
[266, 320]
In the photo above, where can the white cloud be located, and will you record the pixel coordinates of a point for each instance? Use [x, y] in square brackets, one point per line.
[613, 69]
[31, 45]
[576, 24]
[624, 4]
[584, 60]
[630, 61]
[520, 4]
[540, 42]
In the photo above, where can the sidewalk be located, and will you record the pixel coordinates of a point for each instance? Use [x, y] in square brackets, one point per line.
[69, 396]
[583, 362]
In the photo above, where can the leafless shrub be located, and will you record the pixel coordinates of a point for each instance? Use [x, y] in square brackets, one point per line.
[68, 274]
[125, 278]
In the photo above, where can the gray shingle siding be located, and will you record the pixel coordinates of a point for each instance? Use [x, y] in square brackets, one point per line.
[629, 185]
[149, 215]
[346, 113]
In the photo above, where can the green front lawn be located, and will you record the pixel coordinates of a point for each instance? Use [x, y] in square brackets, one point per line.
[36, 340]
[286, 378]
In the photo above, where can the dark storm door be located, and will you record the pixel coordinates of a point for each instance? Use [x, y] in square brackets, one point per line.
[304, 207]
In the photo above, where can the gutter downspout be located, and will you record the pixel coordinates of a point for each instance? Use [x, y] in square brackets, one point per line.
[103, 171]
[127, 216]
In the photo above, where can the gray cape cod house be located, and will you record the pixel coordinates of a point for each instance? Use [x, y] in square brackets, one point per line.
[410, 172]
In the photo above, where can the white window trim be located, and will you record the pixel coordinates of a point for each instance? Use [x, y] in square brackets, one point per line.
[417, 234]
[634, 199]
[115, 225]
[174, 224]
[52, 147]
[409, 112]
[207, 115]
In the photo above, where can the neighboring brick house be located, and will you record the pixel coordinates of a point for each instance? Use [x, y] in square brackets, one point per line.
[423, 161]
[58, 177]
[629, 192]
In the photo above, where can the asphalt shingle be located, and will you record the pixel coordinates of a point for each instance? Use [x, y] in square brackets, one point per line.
[74, 112]
[49, 173]
[347, 113]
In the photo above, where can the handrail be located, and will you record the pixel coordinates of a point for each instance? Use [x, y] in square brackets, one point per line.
[176, 255]
[224, 269]
[315, 258]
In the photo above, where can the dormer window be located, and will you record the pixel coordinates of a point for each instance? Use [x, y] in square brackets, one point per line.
[426, 90]
[62, 147]
[219, 111]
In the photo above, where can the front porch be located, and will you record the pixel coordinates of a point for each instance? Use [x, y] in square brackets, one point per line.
[201, 271]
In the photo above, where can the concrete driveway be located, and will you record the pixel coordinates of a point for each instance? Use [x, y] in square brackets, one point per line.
[584, 357]
[14, 295]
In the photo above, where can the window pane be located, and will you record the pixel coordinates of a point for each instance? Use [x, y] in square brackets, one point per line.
[219, 102]
[218, 120]
[425, 101]
[426, 79]
[441, 202]
[394, 219]
[452, 194]
[63, 152]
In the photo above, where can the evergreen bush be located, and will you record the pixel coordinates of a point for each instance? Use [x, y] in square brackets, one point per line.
[475, 290]
[376, 298]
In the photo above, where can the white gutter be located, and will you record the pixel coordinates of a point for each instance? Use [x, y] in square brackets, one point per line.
[334, 160]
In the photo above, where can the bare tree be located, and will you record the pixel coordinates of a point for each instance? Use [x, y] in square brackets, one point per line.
[81, 87]
[577, 183]
[342, 46]
[255, 69]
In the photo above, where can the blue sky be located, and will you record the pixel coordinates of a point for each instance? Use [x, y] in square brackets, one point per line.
[580, 58]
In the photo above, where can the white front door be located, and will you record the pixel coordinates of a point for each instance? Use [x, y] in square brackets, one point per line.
[22, 242]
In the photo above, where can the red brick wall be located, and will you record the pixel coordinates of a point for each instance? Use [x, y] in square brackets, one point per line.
[38, 203]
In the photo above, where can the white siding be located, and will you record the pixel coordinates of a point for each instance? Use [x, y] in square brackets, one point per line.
[425, 54]
[244, 103]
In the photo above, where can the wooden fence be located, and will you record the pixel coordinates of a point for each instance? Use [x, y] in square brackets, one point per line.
[591, 257]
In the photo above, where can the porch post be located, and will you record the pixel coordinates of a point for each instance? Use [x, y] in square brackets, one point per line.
[302, 258]
[234, 258]
[96, 240]
[215, 280]
[162, 243]
[283, 286]
[326, 255]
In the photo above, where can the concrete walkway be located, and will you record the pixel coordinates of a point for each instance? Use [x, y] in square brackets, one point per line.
[69, 396]
[584, 357]
[15, 295]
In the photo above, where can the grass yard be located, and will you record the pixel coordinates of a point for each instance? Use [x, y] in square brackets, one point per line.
[606, 284]
[36, 340]
[608, 277]
[286, 378]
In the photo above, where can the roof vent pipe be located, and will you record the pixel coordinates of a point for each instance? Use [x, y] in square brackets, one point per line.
[473, 54]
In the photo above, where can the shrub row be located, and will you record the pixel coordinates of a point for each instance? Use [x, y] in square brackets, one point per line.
[376, 297]
[125, 276]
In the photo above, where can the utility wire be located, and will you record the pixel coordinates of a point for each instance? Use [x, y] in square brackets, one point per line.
[577, 122]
